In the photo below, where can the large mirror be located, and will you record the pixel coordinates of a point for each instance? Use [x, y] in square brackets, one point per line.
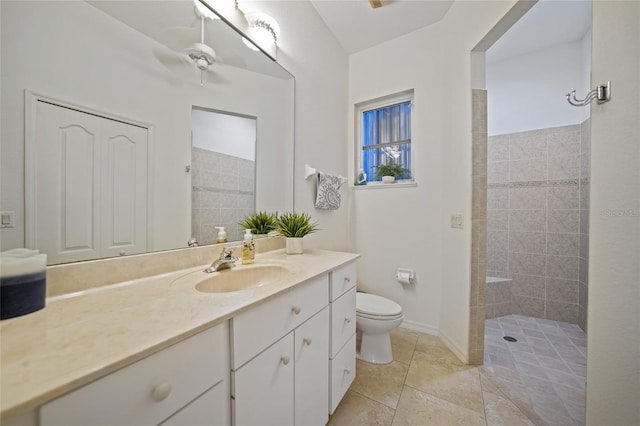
[100, 108]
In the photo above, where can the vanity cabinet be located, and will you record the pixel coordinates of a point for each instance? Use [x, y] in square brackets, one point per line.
[185, 383]
[342, 356]
[279, 359]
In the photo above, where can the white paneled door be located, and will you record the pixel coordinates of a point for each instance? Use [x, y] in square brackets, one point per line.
[90, 185]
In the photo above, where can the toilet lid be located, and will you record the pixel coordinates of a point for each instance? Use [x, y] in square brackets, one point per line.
[375, 305]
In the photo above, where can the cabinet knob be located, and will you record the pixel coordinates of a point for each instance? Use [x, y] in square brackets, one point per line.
[347, 279]
[347, 320]
[122, 252]
[296, 310]
[307, 341]
[161, 391]
[347, 371]
[285, 360]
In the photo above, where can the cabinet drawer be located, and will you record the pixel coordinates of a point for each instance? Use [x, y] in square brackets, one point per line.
[185, 370]
[211, 409]
[343, 279]
[343, 320]
[343, 371]
[272, 370]
[256, 329]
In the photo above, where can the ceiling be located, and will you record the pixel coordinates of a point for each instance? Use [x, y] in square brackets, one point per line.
[358, 26]
[547, 23]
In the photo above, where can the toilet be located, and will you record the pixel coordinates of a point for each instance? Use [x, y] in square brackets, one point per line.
[375, 317]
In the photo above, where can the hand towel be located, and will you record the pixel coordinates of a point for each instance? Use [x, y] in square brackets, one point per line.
[327, 196]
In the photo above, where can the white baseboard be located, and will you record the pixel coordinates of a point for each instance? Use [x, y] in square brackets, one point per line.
[417, 326]
[451, 344]
[434, 331]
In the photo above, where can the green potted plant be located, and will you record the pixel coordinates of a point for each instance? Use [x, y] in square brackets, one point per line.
[294, 226]
[390, 171]
[260, 223]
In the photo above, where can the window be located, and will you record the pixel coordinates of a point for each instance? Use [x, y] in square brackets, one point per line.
[384, 135]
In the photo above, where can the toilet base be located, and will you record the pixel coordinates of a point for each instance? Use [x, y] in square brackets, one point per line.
[375, 348]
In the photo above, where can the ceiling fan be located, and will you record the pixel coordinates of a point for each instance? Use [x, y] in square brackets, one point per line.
[198, 53]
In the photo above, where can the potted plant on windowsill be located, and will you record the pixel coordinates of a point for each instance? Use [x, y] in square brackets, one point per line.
[260, 223]
[390, 171]
[294, 226]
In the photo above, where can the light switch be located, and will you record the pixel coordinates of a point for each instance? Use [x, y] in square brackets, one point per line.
[7, 219]
[457, 220]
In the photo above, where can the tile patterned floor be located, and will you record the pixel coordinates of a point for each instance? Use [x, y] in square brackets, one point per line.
[426, 384]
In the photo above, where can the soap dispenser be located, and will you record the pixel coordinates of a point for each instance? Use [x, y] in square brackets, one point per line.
[222, 235]
[248, 248]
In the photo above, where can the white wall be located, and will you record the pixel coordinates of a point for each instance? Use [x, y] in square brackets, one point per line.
[527, 92]
[224, 133]
[409, 227]
[100, 63]
[310, 52]
[613, 358]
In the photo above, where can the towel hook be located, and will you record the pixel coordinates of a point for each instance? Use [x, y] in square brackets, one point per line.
[602, 93]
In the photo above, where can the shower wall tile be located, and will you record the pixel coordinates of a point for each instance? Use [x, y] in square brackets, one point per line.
[559, 311]
[526, 263]
[544, 189]
[497, 241]
[527, 198]
[498, 220]
[562, 290]
[564, 143]
[498, 148]
[563, 221]
[479, 197]
[582, 318]
[564, 244]
[563, 198]
[210, 178]
[498, 172]
[528, 170]
[524, 148]
[528, 285]
[498, 261]
[584, 196]
[497, 198]
[527, 242]
[529, 306]
[564, 167]
[229, 182]
[565, 267]
[527, 220]
[584, 221]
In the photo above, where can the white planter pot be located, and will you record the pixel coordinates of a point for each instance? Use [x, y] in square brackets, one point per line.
[294, 246]
[388, 179]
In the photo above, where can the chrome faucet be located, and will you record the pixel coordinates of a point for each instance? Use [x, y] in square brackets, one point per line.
[225, 261]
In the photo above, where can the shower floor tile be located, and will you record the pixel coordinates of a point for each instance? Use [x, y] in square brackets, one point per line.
[543, 372]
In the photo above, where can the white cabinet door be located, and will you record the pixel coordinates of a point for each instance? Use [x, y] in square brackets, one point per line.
[213, 408]
[88, 187]
[263, 387]
[312, 370]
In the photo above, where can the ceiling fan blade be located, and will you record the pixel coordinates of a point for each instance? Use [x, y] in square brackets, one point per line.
[182, 36]
[233, 60]
[173, 61]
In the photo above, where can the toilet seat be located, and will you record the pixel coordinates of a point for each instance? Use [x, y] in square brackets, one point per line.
[376, 307]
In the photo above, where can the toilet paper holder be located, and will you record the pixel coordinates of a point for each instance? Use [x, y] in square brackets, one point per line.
[405, 276]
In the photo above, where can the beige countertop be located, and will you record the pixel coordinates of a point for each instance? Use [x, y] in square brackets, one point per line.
[80, 337]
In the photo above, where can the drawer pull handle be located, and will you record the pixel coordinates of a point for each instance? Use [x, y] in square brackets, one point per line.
[161, 391]
[347, 320]
[285, 360]
[296, 310]
[307, 341]
[347, 279]
[347, 371]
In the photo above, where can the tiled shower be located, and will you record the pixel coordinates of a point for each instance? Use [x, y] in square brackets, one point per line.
[222, 194]
[537, 223]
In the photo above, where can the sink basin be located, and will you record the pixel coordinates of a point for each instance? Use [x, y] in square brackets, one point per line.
[235, 279]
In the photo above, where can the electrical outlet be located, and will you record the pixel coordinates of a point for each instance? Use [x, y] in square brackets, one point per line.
[7, 219]
[457, 220]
